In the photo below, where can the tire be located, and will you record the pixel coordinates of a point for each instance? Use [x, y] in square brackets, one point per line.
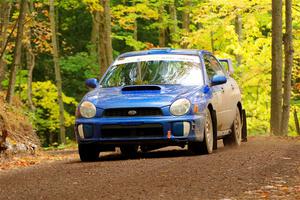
[88, 152]
[244, 128]
[235, 137]
[129, 151]
[215, 129]
[206, 146]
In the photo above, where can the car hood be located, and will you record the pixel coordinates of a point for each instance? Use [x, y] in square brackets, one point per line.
[162, 95]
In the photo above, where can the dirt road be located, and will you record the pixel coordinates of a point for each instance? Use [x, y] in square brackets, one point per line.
[263, 168]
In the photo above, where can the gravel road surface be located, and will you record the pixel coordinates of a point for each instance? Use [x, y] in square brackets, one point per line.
[262, 168]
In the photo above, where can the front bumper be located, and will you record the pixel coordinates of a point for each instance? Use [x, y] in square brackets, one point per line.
[140, 130]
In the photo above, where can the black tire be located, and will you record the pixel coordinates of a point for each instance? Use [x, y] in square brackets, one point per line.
[206, 146]
[215, 128]
[235, 137]
[88, 152]
[129, 151]
[244, 128]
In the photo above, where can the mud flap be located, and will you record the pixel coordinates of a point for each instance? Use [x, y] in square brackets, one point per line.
[244, 127]
[215, 130]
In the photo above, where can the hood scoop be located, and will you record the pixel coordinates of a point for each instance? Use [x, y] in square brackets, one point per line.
[141, 88]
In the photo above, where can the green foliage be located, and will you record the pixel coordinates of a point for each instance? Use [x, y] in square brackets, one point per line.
[21, 79]
[46, 115]
[75, 70]
[135, 26]
[216, 20]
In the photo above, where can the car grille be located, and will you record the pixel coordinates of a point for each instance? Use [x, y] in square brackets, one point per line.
[132, 112]
[140, 131]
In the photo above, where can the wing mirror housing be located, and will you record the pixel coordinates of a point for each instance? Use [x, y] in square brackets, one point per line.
[218, 80]
[227, 64]
[91, 83]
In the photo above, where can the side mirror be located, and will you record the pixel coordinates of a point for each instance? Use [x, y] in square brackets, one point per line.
[91, 83]
[218, 80]
[227, 64]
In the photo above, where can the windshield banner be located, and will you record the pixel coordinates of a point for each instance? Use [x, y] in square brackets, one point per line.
[158, 57]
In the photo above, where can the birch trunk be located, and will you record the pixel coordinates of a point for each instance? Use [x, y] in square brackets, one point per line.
[57, 72]
[105, 44]
[174, 22]
[162, 30]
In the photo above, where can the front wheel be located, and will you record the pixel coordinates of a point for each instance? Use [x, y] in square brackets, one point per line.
[206, 146]
[235, 137]
[88, 152]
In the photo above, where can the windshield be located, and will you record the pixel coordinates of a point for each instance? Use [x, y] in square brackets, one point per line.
[154, 70]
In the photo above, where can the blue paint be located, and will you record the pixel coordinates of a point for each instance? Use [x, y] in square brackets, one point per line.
[147, 97]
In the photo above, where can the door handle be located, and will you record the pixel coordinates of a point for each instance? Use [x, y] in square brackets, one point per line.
[222, 89]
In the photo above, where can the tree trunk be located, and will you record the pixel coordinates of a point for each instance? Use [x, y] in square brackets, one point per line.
[288, 53]
[57, 72]
[105, 44]
[30, 57]
[30, 61]
[162, 29]
[17, 53]
[238, 31]
[174, 22]
[135, 25]
[186, 19]
[212, 42]
[296, 122]
[95, 31]
[186, 15]
[5, 7]
[276, 83]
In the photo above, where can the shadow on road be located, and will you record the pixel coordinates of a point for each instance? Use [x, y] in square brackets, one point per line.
[157, 154]
[167, 152]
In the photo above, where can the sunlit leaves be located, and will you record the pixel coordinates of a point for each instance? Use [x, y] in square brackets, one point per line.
[44, 97]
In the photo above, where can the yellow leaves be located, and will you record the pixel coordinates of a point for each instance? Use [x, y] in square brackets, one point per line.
[93, 5]
[125, 16]
[44, 97]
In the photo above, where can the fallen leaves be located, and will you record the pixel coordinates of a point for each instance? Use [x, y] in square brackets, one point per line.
[20, 161]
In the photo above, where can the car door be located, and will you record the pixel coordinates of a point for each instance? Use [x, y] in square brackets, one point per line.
[221, 93]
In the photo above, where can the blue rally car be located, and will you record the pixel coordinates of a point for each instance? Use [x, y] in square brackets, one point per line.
[160, 97]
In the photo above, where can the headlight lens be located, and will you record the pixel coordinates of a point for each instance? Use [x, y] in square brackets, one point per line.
[180, 107]
[87, 109]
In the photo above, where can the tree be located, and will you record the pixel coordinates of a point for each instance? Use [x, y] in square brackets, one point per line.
[5, 8]
[30, 58]
[288, 53]
[174, 22]
[162, 29]
[276, 82]
[238, 30]
[17, 52]
[105, 44]
[187, 4]
[57, 72]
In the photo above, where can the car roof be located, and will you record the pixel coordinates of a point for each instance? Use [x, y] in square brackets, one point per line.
[164, 51]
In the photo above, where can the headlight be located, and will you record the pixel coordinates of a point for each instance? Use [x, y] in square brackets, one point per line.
[180, 107]
[87, 109]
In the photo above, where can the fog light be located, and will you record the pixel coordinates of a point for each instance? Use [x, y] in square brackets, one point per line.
[181, 128]
[88, 130]
[186, 128]
[80, 130]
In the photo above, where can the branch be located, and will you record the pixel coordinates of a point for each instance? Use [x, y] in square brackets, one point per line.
[9, 36]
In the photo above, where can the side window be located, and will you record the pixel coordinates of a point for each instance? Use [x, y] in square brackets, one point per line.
[212, 66]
